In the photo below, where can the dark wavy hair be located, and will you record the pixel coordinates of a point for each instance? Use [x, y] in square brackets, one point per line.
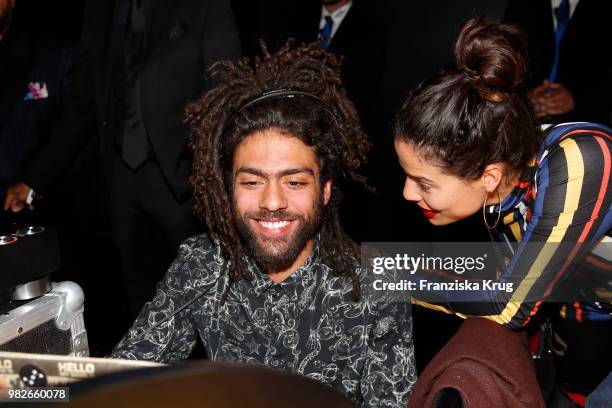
[326, 121]
[476, 113]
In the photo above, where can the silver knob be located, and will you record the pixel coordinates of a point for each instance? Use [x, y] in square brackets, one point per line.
[22, 232]
[7, 240]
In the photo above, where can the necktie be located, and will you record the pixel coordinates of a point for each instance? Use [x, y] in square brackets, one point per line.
[563, 16]
[134, 147]
[326, 31]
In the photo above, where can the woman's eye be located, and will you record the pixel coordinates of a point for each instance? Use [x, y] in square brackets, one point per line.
[424, 187]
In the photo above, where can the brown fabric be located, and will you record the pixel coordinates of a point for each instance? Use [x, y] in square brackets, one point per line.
[487, 364]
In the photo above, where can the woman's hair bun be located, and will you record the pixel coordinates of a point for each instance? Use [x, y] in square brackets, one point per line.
[494, 55]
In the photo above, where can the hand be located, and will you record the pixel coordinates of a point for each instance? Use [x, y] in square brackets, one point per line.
[16, 197]
[558, 100]
[536, 96]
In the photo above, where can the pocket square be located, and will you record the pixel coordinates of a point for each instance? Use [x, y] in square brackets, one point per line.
[177, 30]
[36, 90]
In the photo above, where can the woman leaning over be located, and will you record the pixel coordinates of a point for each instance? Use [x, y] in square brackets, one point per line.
[468, 141]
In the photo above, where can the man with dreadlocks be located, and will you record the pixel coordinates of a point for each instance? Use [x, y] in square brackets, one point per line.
[276, 280]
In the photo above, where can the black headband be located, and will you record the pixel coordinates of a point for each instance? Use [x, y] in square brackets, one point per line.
[279, 93]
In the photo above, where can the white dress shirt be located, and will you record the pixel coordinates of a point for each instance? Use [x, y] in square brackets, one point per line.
[555, 4]
[337, 17]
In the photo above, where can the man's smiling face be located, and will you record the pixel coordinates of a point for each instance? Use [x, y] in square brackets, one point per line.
[278, 198]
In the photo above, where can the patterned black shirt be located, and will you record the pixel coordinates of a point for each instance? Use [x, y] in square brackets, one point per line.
[307, 324]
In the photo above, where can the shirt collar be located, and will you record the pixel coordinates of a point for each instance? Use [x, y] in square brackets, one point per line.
[305, 273]
[337, 16]
[556, 3]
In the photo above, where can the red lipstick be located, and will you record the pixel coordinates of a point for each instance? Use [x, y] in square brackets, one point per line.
[429, 213]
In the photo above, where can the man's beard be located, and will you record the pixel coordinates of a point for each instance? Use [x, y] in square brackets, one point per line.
[278, 253]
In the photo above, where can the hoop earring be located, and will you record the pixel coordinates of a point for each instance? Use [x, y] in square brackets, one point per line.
[484, 212]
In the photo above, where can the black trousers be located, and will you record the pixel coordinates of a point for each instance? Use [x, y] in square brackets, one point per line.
[148, 225]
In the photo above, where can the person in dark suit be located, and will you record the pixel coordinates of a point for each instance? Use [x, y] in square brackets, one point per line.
[357, 34]
[578, 86]
[33, 80]
[35, 66]
[138, 64]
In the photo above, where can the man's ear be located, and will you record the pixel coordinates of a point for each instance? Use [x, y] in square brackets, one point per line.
[493, 175]
[327, 188]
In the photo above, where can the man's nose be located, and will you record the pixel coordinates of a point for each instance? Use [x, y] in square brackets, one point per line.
[273, 198]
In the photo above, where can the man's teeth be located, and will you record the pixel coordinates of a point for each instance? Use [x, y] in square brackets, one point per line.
[274, 225]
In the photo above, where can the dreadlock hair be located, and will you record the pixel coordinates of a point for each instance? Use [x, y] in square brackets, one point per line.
[326, 121]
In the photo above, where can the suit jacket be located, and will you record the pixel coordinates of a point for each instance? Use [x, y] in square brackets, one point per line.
[361, 39]
[585, 64]
[184, 38]
[33, 74]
